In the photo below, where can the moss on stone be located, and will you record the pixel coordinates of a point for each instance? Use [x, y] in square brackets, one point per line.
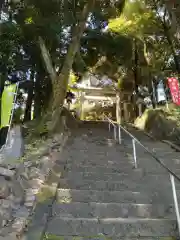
[158, 123]
[167, 238]
[47, 192]
[52, 237]
[101, 237]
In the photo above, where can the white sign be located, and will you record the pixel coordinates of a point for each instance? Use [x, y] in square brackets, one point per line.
[161, 96]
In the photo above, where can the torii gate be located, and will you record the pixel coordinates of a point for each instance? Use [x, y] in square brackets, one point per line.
[101, 94]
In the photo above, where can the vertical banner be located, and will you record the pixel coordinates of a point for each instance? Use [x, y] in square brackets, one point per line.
[174, 89]
[7, 104]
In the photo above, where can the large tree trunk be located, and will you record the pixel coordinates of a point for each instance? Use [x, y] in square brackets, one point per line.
[118, 107]
[37, 95]
[1, 4]
[170, 42]
[60, 83]
[27, 114]
[175, 28]
[174, 16]
[2, 83]
[136, 62]
[136, 73]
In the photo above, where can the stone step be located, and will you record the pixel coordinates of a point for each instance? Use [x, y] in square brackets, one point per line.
[101, 153]
[97, 161]
[170, 158]
[104, 237]
[85, 196]
[119, 227]
[109, 158]
[109, 166]
[120, 169]
[149, 165]
[115, 185]
[113, 210]
[94, 124]
[134, 176]
[142, 156]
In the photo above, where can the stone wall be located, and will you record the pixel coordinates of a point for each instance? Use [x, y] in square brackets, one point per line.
[21, 181]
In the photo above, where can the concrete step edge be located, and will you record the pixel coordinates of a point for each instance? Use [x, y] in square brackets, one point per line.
[119, 219]
[118, 204]
[114, 210]
[104, 237]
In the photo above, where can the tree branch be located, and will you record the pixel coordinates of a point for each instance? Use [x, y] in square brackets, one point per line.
[47, 59]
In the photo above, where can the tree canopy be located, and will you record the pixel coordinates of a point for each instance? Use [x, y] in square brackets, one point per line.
[48, 42]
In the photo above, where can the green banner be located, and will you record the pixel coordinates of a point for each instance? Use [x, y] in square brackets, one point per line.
[7, 104]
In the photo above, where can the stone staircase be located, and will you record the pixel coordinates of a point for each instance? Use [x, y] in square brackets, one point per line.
[102, 196]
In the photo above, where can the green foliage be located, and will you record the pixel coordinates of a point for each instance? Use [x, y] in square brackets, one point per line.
[139, 21]
[54, 237]
[72, 79]
[109, 52]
